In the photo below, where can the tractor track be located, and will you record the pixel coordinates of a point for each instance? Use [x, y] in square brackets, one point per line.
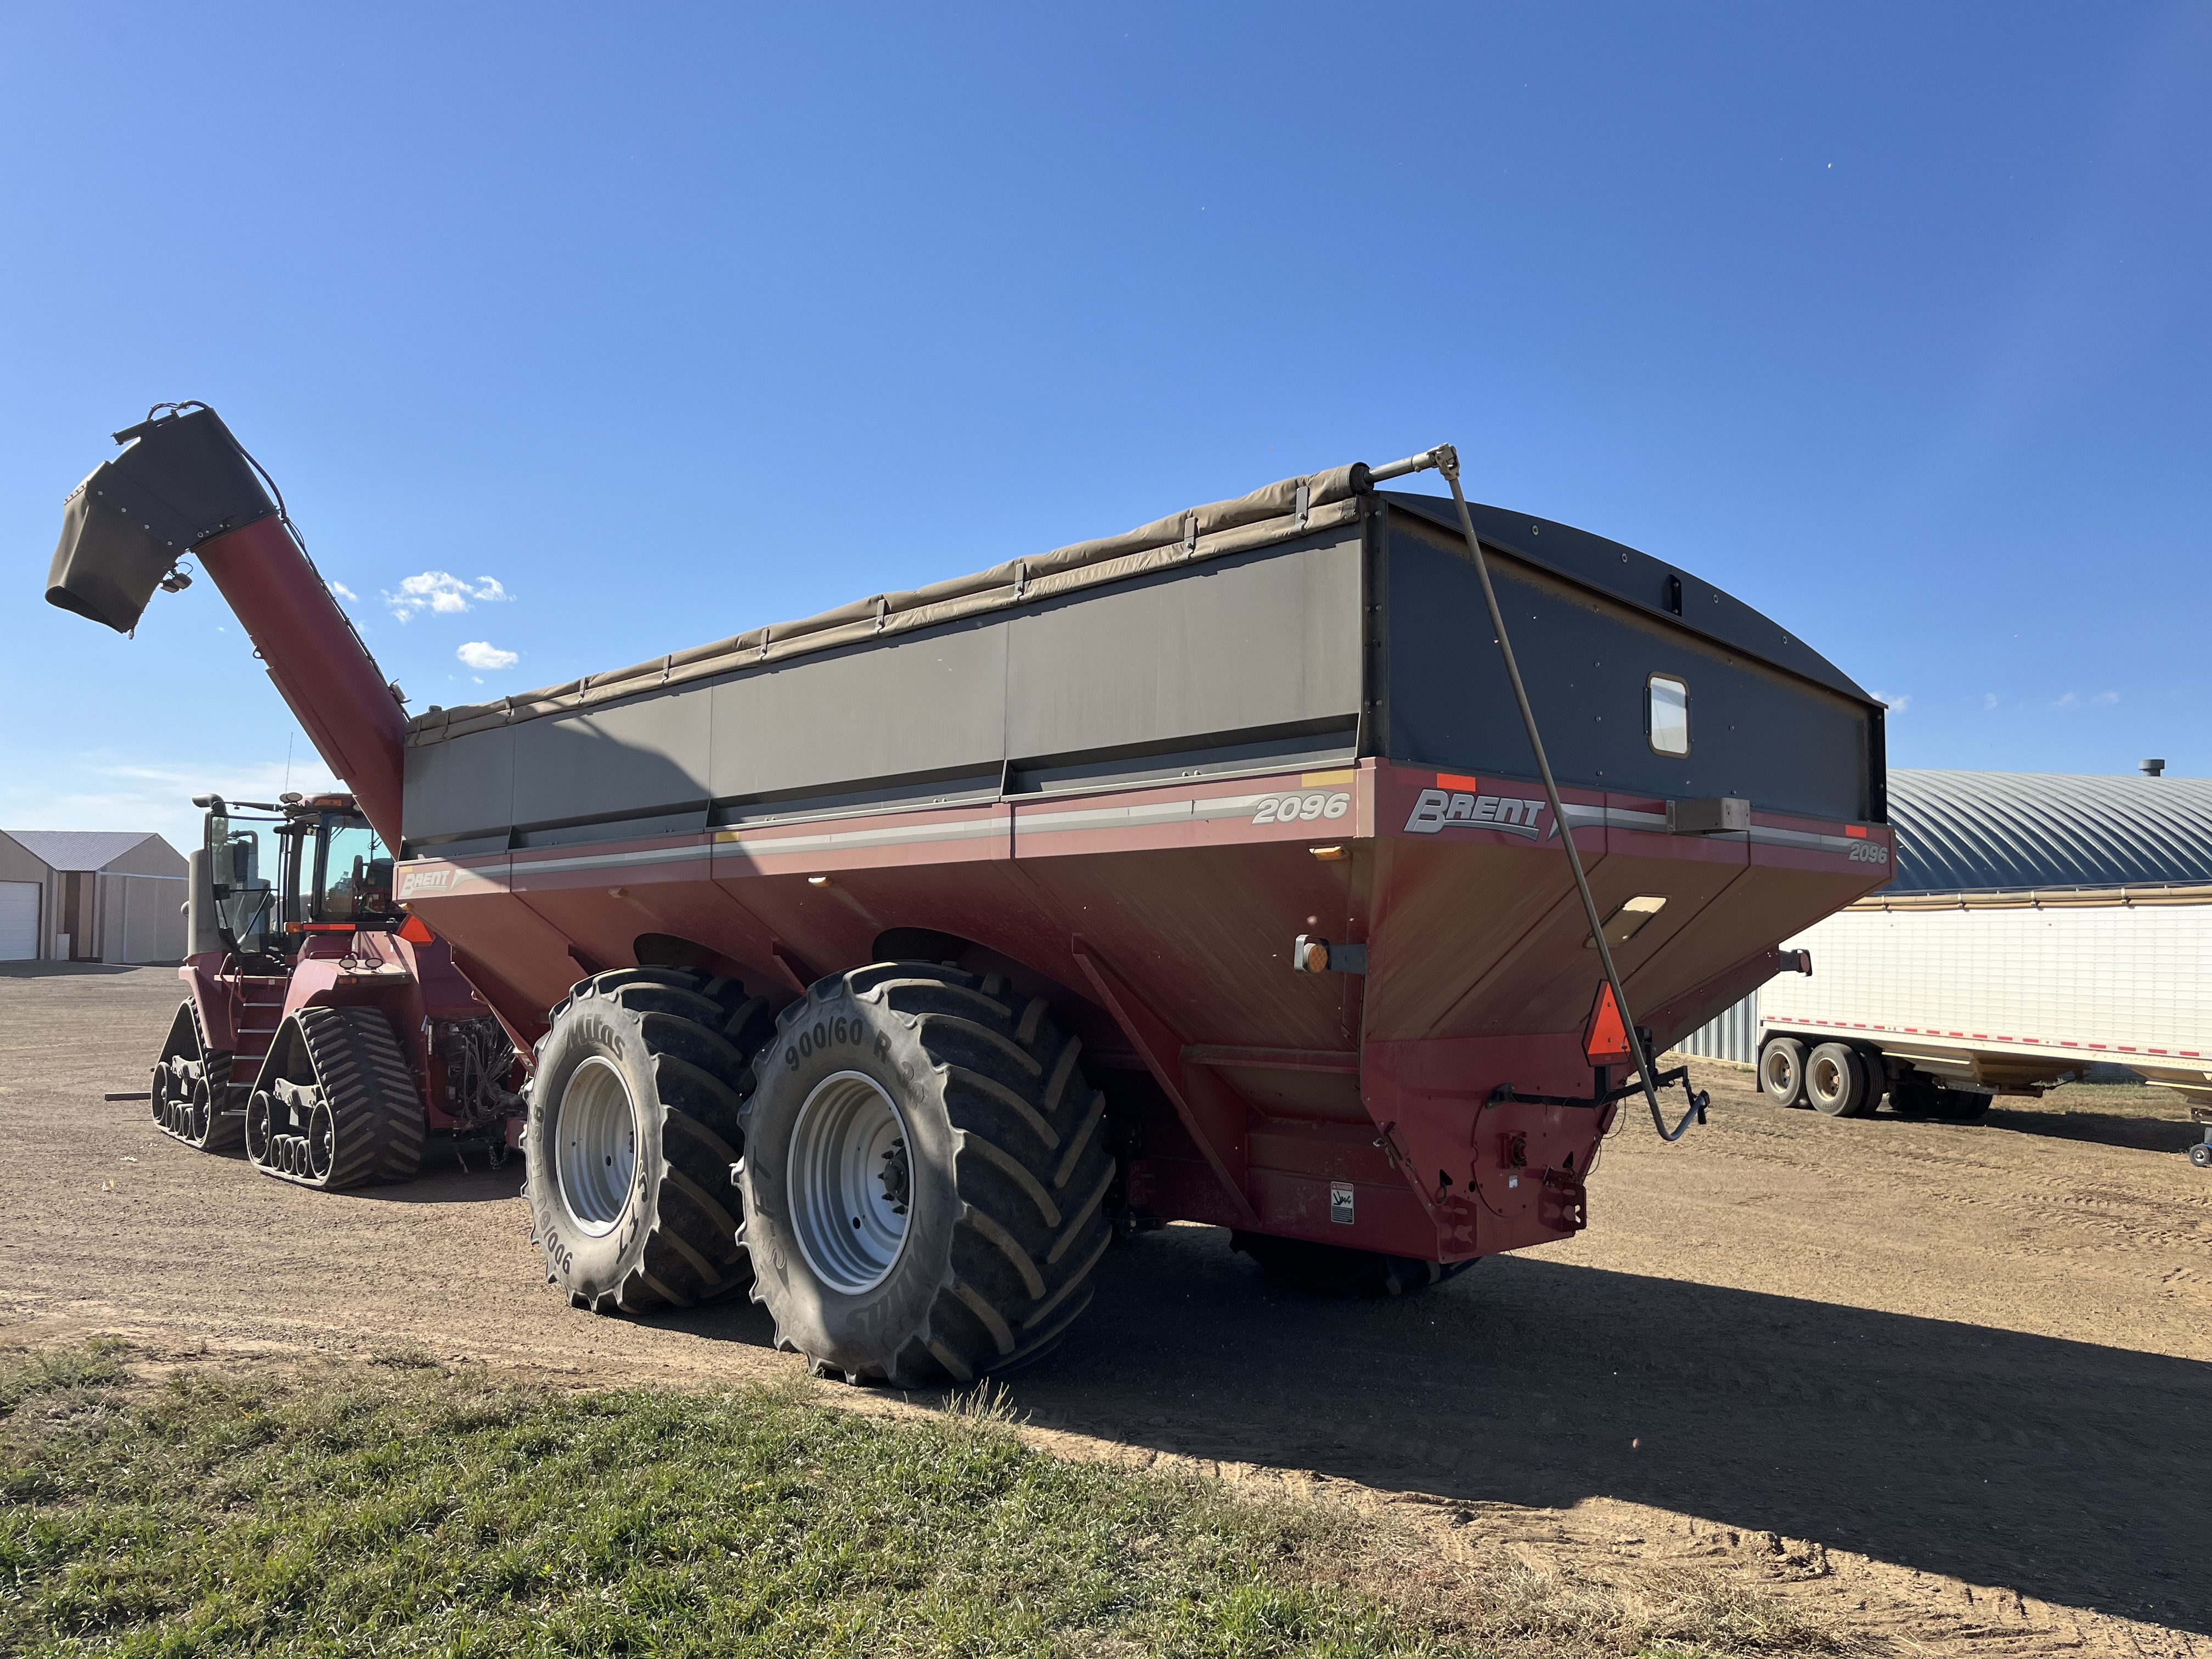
[1948, 1380]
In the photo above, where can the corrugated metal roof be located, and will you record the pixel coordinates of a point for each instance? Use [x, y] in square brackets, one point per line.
[1962, 831]
[76, 849]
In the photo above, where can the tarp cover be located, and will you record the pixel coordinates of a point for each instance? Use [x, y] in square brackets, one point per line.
[1266, 516]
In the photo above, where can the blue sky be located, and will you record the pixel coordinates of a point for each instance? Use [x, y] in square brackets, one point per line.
[671, 321]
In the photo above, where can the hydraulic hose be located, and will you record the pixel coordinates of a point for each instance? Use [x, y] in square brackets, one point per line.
[1445, 458]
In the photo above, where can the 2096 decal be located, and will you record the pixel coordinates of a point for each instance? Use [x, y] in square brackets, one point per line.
[1302, 808]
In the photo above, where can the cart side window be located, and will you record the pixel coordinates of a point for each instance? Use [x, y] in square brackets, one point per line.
[1667, 715]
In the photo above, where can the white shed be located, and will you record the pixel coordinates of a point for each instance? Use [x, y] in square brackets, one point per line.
[90, 896]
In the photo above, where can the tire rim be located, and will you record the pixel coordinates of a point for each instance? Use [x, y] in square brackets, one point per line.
[595, 1135]
[1777, 1072]
[849, 1181]
[259, 1127]
[1827, 1079]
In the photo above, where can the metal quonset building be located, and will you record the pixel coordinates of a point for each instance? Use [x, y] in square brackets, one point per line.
[90, 896]
[2037, 924]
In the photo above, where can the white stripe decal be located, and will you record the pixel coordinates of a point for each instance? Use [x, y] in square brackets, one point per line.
[960, 829]
[1133, 818]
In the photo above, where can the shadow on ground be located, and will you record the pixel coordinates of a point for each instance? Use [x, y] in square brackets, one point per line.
[2069, 1471]
[2150, 1134]
[71, 970]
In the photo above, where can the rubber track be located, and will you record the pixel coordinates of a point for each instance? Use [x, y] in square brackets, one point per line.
[225, 1133]
[1033, 1167]
[372, 1094]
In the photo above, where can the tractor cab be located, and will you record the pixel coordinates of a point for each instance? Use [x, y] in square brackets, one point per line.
[279, 870]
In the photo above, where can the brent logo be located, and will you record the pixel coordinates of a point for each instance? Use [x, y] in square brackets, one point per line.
[1439, 808]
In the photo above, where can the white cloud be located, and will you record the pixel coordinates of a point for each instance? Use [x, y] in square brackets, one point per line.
[2103, 700]
[1898, 703]
[443, 594]
[1988, 699]
[482, 653]
[345, 592]
[2069, 701]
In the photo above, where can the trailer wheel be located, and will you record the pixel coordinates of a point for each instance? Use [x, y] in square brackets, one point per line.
[925, 1176]
[1781, 1071]
[1836, 1081]
[192, 1089]
[336, 1105]
[633, 1136]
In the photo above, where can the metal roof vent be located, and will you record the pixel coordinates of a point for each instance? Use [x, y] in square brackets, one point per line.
[2152, 768]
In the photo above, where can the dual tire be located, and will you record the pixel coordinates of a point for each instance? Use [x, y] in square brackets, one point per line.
[925, 1176]
[1834, 1079]
[634, 1134]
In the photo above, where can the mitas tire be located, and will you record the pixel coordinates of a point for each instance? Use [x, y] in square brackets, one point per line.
[633, 1134]
[951, 1124]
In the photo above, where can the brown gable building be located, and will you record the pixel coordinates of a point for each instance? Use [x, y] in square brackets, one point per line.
[90, 896]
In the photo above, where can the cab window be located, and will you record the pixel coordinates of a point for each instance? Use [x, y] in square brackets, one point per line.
[351, 862]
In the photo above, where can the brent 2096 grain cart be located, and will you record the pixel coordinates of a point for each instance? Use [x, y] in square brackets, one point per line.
[890, 961]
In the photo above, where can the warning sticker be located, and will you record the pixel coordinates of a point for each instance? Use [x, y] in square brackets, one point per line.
[1340, 1205]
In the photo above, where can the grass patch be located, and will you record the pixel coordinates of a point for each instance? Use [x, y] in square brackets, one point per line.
[396, 1509]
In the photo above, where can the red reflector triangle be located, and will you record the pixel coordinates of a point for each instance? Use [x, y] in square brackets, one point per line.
[415, 930]
[1605, 1039]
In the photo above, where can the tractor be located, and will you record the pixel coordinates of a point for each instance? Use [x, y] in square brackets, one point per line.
[322, 1030]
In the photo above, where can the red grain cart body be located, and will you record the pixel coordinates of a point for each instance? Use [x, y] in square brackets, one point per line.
[893, 961]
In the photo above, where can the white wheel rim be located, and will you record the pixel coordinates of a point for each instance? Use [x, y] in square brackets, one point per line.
[849, 1181]
[1828, 1078]
[595, 1132]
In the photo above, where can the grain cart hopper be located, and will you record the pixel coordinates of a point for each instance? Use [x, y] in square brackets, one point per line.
[891, 961]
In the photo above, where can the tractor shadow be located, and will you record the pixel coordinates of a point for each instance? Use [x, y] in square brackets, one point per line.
[2073, 1473]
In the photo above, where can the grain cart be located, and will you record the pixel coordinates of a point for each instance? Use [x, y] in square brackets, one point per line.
[321, 1030]
[890, 961]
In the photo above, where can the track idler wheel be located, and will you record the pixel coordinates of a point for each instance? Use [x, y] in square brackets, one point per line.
[925, 1176]
[191, 1089]
[632, 1133]
[337, 1105]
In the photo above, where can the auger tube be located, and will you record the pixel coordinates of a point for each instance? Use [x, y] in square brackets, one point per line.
[184, 486]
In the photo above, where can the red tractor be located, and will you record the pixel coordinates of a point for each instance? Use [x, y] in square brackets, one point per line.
[324, 1030]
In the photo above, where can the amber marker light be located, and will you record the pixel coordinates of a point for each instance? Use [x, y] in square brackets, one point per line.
[1327, 854]
[817, 881]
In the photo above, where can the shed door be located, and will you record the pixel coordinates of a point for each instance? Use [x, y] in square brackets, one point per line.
[19, 920]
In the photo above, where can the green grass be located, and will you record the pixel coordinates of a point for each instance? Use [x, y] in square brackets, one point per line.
[405, 1510]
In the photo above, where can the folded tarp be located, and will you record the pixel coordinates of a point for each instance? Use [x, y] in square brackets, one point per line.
[1280, 512]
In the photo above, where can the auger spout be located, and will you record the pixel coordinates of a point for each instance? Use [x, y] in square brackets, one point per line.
[184, 485]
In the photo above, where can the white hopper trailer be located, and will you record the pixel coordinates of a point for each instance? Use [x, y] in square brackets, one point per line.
[2038, 926]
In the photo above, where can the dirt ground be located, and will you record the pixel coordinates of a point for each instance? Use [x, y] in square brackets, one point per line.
[1948, 1380]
